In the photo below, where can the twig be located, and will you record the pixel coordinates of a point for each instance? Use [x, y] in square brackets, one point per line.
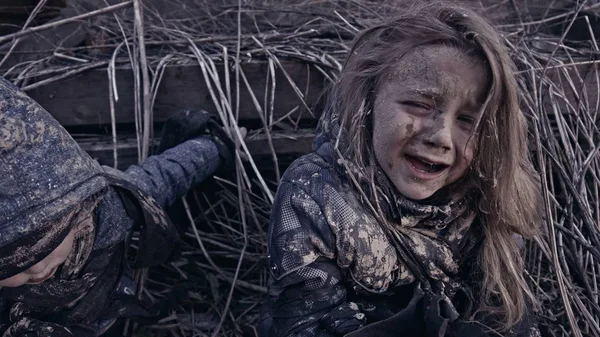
[146, 98]
[55, 24]
[240, 198]
[64, 75]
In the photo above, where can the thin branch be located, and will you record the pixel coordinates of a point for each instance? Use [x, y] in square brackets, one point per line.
[55, 24]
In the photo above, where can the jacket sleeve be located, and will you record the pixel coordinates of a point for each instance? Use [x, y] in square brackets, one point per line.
[169, 175]
[306, 296]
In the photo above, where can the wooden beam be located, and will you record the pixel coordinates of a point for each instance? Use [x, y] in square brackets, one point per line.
[284, 143]
[84, 99]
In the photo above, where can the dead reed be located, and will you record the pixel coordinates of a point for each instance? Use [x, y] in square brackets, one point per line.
[222, 270]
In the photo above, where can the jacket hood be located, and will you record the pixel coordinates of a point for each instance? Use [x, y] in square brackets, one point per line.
[45, 175]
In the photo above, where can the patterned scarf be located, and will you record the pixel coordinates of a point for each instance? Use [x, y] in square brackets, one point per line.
[436, 235]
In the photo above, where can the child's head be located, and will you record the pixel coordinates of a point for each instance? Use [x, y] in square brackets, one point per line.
[66, 243]
[445, 69]
[49, 186]
[431, 99]
[423, 113]
[43, 269]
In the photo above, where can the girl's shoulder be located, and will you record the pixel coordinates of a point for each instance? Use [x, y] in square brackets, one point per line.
[318, 214]
[311, 168]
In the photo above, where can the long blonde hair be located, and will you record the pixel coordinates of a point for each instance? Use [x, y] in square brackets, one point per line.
[509, 199]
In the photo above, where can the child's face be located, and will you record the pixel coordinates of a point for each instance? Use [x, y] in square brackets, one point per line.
[423, 116]
[44, 269]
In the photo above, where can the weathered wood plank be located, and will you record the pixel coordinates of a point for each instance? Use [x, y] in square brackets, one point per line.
[101, 148]
[84, 99]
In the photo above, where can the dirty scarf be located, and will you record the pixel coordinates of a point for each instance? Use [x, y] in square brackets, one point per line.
[437, 234]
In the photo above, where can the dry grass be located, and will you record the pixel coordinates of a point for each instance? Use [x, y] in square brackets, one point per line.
[222, 269]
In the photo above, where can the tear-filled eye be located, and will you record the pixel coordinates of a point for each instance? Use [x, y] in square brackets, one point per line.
[416, 104]
[470, 120]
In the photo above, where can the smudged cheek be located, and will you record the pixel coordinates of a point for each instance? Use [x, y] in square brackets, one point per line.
[392, 130]
[409, 126]
[398, 141]
[381, 144]
[462, 163]
[468, 152]
[384, 152]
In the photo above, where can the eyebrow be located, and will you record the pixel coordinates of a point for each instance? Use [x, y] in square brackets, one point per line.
[431, 92]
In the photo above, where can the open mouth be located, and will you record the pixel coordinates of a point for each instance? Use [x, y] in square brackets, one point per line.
[424, 166]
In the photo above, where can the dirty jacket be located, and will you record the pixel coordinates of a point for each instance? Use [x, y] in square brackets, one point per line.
[334, 269]
[45, 178]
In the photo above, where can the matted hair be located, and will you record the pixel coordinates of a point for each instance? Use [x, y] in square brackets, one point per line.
[509, 200]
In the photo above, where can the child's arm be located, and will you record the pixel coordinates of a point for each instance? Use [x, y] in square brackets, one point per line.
[171, 174]
[306, 297]
[192, 147]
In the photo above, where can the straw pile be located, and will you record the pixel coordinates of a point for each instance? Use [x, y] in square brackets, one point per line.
[222, 271]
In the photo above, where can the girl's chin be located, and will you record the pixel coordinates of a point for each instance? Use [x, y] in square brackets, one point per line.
[416, 193]
[416, 189]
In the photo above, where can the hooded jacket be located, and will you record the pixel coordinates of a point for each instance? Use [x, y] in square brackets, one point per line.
[334, 269]
[47, 182]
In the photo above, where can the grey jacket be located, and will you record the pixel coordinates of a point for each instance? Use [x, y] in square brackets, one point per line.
[335, 270]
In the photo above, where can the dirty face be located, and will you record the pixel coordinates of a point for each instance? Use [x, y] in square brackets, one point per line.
[424, 112]
[44, 269]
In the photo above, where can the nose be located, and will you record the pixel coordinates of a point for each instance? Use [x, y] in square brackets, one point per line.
[36, 268]
[438, 133]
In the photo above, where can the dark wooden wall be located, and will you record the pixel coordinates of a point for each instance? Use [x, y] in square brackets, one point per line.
[82, 101]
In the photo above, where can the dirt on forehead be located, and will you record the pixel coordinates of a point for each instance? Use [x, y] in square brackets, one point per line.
[422, 70]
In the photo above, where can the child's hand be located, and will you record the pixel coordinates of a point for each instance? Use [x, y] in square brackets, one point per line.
[182, 126]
